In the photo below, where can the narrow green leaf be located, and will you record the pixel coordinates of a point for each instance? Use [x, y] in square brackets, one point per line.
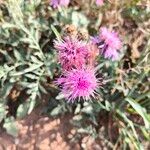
[22, 110]
[10, 126]
[32, 104]
[56, 32]
[141, 111]
[56, 111]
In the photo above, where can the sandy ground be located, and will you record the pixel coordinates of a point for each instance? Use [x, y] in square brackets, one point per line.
[43, 133]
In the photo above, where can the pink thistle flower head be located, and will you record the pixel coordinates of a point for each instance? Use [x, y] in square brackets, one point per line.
[56, 3]
[110, 38]
[99, 2]
[64, 2]
[109, 43]
[79, 84]
[72, 53]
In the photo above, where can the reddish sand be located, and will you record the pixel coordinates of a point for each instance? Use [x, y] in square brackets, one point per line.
[38, 132]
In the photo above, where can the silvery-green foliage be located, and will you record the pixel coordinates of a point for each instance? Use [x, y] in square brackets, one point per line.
[25, 64]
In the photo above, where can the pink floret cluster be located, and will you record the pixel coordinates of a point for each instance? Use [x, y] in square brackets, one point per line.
[109, 43]
[79, 84]
[72, 53]
[78, 61]
[99, 2]
[61, 3]
[78, 80]
[56, 3]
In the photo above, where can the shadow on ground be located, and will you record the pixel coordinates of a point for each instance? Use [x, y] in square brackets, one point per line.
[41, 132]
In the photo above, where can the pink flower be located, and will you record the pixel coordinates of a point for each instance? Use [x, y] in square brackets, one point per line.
[109, 43]
[56, 3]
[99, 2]
[79, 84]
[72, 53]
[64, 2]
[110, 38]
